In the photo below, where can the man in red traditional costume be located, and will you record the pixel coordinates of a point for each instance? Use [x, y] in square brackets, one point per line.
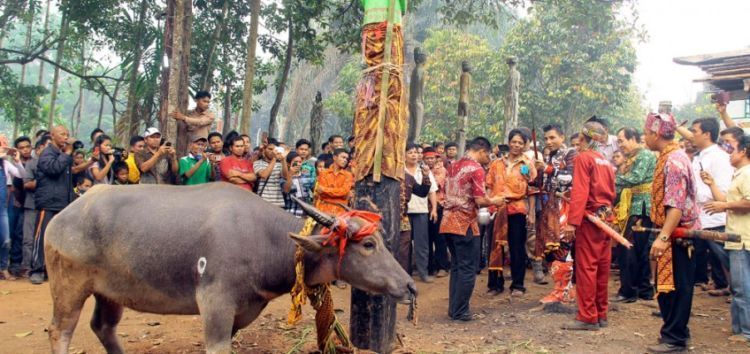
[673, 204]
[593, 192]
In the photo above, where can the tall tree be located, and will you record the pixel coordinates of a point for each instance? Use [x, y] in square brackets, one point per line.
[215, 38]
[247, 95]
[58, 60]
[273, 124]
[130, 116]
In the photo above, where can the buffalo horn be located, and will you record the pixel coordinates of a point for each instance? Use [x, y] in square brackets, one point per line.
[322, 218]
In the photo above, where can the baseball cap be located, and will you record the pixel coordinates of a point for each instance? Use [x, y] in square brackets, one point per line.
[199, 137]
[151, 131]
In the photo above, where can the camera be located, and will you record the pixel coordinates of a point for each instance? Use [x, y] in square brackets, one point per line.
[77, 145]
[117, 153]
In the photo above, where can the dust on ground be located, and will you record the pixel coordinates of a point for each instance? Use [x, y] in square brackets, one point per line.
[509, 325]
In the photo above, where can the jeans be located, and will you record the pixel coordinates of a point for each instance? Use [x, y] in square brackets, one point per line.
[421, 237]
[465, 252]
[739, 268]
[15, 226]
[4, 237]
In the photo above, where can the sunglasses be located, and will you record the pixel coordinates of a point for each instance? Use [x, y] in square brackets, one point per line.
[727, 147]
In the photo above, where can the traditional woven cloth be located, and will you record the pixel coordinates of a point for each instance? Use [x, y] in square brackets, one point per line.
[500, 239]
[368, 105]
[664, 270]
[326, 323]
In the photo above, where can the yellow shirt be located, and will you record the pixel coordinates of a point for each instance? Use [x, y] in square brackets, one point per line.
[134, 174]
[739, 223]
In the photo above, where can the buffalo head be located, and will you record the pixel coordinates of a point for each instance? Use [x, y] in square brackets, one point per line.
[366, 263]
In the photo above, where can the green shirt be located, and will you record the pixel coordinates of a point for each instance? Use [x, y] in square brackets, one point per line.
[376, 11]
[202, 175]
[641, 172]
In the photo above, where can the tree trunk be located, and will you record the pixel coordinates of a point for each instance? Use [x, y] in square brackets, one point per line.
[75, 121]
[118, 85]
[22, 80]
[101, 111]
[130, 116]
[58, 59]
[46, 33]
[184, 87]
[178, 70]
[206, 79]
[164, 83]
[227, 107]
[247, 94]
[273, 128]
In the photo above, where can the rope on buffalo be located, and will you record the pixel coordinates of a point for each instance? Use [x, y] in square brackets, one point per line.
[326, 323]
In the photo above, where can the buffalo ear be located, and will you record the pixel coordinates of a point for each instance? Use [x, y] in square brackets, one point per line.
[309, 243]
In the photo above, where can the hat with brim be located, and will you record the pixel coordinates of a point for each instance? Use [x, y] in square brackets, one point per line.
[151, 131]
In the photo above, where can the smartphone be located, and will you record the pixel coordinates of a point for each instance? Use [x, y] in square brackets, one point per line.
[10, 151]
[701, 165]
[279, 150]
[168, 144]
[96, 151]
[721, 97]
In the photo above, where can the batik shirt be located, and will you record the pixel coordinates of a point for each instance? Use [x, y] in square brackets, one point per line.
[680, 189]
[641, 172]
[465, 180]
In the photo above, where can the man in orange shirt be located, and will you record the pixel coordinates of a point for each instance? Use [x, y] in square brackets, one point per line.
[509, 177]
[334, 185]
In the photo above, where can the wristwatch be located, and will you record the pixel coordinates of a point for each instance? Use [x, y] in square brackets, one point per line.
[664, 238]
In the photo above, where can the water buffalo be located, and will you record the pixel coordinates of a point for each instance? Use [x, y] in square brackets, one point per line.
[214, 250]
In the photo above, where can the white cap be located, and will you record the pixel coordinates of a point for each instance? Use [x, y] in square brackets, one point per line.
[151, 131]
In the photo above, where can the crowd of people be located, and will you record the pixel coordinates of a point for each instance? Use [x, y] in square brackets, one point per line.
[513, 204]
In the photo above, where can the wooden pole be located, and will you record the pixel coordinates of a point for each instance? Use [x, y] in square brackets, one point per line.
[384, 88]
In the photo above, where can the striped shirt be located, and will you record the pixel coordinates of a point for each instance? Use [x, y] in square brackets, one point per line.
[270, 189]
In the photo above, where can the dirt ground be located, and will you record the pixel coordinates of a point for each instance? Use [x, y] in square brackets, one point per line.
[515, 325]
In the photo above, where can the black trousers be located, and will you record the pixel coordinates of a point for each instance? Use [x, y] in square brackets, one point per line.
[675, 306]
[465, 253]
[635, 266]
[404, 251]
[37, 257]
[517, 247]
[438, 246]
[705, 255]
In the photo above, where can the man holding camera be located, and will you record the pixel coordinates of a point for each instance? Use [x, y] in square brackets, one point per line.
[270, 169]
[196, 168]
[157, 163]
[53, 192]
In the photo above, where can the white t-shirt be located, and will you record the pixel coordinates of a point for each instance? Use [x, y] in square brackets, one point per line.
[420, 205]
[716, 162]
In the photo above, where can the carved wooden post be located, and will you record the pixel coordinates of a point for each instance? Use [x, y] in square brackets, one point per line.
[316, 124]
[511, 97]
[463, 106]
[416, 98]
[380, 146]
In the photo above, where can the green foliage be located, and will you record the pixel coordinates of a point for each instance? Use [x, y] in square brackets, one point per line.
[446, 49]
[339, 105]
[576, 59]
[19, 104]
[701, 107]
